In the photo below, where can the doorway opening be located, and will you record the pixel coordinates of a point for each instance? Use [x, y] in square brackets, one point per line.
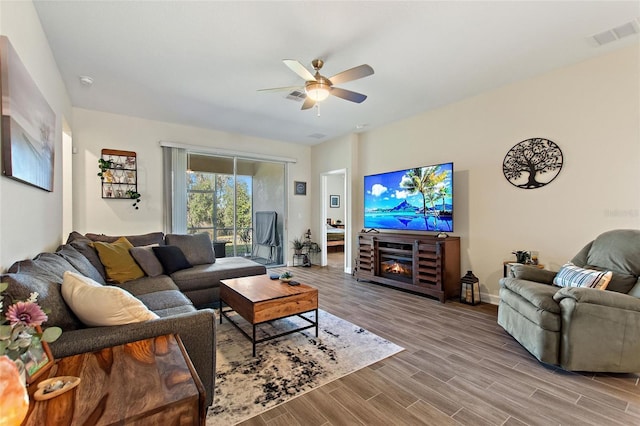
[336, 220]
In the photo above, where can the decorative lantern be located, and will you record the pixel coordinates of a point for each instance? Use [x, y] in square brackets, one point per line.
[470, 289]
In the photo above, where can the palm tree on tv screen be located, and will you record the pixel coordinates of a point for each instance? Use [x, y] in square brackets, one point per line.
[424, 180]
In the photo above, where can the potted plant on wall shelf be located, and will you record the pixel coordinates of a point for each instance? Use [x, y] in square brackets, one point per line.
[134, 195]
[104, 165]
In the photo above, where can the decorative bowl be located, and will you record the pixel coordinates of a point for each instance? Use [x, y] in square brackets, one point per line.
[286, 277]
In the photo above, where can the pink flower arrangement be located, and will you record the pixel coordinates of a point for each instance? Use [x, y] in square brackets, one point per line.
[26, 313]
[21, 324]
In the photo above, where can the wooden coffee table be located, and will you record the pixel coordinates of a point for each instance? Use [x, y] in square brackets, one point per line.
[259, 299]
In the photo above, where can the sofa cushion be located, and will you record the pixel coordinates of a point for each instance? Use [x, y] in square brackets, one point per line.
[49, 297]
[118, 262]
[205, 276]
[196, 247]
[146, 285]
[571, 275]
[102, 305]
[177, 310]
[171, 258]
[147, 260]
[48, 264]
[80, 262]
[85, 247]
[136, 240]
[620, 283]
[163, 300]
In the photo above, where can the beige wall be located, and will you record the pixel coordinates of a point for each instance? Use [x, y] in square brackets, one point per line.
[337, 154]
[31, 218]
[95, 130]
[591, 110]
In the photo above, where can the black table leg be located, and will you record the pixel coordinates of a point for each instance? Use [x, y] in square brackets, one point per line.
[254, 340]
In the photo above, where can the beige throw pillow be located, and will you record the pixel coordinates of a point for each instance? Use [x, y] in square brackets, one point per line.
[102, 305]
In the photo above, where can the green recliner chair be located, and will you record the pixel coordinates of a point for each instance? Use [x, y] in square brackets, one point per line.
[580, 329]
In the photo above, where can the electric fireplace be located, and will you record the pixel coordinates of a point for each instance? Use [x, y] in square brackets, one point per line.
[396, 268]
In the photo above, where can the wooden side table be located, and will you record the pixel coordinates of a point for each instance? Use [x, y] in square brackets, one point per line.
[506, 269]
[148, 382]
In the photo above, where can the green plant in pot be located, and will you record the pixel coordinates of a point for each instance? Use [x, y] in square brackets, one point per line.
[104, 165]
[297, 244]
[134, 195]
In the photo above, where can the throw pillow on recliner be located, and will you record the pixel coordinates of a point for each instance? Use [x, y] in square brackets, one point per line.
[571, 275]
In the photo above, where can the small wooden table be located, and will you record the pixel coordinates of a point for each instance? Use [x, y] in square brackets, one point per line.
[148, 382]
[259, 299]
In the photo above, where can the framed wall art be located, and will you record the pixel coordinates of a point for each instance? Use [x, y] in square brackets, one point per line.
[37, 359]
[334, 201]
[532, 163]
[28, 124]
[300, 188]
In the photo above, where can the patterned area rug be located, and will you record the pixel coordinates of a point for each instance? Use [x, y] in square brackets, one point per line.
[289, 366]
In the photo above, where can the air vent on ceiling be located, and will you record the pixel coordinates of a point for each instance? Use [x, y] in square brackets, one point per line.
[317, 136]
[617, 33]
[297, 95]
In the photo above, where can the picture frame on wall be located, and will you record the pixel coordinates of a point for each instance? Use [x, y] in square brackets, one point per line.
[38, 359]
[300, 188]
[28, 124]
[334, 201]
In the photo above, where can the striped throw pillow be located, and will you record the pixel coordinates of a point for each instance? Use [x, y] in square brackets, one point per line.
[571, 275]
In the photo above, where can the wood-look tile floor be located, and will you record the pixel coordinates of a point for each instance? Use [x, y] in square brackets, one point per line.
[459, 367]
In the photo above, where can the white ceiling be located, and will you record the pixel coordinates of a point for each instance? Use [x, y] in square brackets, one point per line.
[200, 63]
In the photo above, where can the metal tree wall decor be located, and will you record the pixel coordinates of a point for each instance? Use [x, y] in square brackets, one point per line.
[532, 163]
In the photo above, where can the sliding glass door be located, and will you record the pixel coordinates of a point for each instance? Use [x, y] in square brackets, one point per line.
[239, 202]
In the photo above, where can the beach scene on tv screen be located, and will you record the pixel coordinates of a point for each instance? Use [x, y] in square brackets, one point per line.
[417, 199]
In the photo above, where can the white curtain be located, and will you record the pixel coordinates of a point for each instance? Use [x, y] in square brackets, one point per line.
[175, 190]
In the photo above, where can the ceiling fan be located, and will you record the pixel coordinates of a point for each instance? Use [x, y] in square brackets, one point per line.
[318, 87]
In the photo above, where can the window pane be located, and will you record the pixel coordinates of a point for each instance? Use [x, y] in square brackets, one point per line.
[200, 201]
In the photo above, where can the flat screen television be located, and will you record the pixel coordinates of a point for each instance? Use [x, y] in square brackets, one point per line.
[417, 199]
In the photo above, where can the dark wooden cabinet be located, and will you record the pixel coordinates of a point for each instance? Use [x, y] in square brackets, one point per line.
[420, 263]
[148, 382]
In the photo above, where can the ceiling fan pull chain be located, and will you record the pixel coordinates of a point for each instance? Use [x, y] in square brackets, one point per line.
[318, 109]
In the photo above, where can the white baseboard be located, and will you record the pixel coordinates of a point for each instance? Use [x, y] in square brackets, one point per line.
[490, 298]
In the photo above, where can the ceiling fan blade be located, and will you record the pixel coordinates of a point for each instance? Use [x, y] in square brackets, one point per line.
[282, 89]
[299, 69]
[352, 74]
[308, 103]
[348, 95]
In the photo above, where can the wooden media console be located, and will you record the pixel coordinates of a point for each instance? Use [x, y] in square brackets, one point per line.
[420, 263]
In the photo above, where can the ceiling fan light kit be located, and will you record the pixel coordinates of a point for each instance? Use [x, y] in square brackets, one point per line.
[318, 88]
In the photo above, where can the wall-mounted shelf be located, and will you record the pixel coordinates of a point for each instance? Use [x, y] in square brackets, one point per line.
[122, 176]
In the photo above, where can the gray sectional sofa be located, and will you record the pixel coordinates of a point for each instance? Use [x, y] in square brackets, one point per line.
[180, 299]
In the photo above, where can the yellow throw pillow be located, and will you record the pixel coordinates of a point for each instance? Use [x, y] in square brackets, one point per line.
[118, 262]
